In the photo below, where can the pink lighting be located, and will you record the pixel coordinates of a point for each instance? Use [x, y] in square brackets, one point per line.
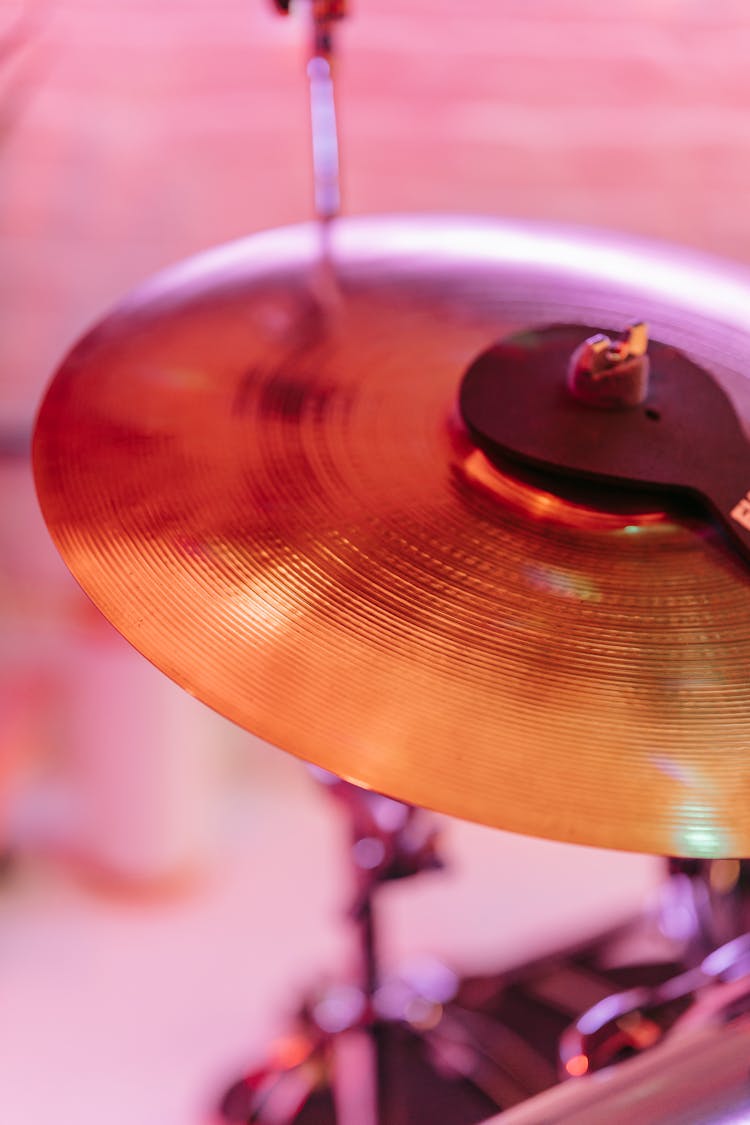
[170, 886]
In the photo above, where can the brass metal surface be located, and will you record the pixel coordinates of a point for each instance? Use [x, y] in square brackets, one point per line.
[255, 468]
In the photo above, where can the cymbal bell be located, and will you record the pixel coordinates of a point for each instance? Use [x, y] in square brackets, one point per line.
[256, 469]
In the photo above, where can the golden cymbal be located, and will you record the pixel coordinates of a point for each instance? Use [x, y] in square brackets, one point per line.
[256, 469]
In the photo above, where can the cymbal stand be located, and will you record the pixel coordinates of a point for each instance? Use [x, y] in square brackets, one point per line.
[496, 1034]
[323, 123]
[422, 1046]
[338, 1041]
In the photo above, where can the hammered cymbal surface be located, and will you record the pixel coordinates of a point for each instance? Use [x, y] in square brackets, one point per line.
[260, 477]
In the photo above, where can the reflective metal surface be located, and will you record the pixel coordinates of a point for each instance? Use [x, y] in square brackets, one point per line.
[260, 478]
[698, 1077]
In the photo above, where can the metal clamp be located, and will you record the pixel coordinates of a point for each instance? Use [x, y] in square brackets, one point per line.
[323, 10]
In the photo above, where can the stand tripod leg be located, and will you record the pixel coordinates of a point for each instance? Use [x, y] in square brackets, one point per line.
[273, 1095]
[355, 1078]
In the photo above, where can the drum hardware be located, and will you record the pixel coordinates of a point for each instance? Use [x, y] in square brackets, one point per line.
[492, 1040]
[323, 515]
[325, 12]
[475, 1036]
[704, 910]
[359, 1031]
[324, 131]
[629, 1022]
[388, 841]
[697, 1075]
[705, 904]
[365, 1030]
[611, 373]
[686, 438]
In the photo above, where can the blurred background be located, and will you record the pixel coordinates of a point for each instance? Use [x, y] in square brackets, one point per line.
[169, 885]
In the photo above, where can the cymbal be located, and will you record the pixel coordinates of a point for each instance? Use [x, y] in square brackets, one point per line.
[256, 469]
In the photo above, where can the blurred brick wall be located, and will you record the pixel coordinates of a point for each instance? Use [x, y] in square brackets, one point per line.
[157, 128]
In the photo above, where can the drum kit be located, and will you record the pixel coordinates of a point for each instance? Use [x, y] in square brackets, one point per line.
[457, 511]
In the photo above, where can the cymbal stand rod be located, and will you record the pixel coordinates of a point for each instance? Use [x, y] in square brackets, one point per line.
[388, 840]
[355, 1078]
[323, 121]
[357, 1071]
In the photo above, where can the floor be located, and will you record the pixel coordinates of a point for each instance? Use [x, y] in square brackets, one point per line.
[175, 883]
